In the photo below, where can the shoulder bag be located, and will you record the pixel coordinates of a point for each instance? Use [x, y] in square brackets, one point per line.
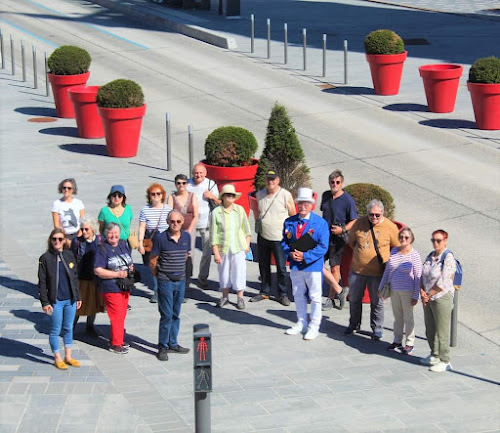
[148, 243]
[258, 221]
[375, 244]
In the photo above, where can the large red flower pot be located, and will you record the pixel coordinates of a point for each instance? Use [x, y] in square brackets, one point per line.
[241, 177]
[386, 70]
[441, 85]
[122, 127]
[486, 104]
[60, 85]
[88, 121]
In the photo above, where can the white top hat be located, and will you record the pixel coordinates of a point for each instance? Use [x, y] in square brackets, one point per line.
[229, 189]
[305, 194]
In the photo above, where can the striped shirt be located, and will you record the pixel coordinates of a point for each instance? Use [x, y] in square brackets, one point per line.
[171, 254]
[151, 215]
[403, 271]
[229, 229]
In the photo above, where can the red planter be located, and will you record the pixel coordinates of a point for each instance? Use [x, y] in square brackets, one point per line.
[60, 85]
[386, 70]
[122, 127]
[88, 121]
[241, 177]
[441, 85]
[486, 104]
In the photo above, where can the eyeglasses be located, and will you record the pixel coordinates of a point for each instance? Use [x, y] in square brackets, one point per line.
[86, 229]
[181, 183]
[54, 239]
[155, 193]
[230, 195]
[303, 203]
[175, 221]
[436, 241]
[117, 194]
[375, 215]
[67, 187]
[335, 182]
[404, 237]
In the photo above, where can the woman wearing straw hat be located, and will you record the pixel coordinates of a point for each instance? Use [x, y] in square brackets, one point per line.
[230, 240]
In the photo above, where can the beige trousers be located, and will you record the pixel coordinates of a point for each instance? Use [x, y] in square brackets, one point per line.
[403, 316]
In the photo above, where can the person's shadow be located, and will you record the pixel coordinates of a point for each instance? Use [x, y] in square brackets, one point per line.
[22, 286]
[17, 349]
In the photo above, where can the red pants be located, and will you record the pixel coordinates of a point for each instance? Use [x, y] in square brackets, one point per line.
[116, 305]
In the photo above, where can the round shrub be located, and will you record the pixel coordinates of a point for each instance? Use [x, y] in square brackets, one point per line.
[485, 71]
[120, 93]
[230, 146]
[69, 60]
[384, 42]
[363, 193]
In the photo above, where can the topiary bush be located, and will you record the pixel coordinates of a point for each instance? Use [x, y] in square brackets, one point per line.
[230, 146]
[120, 93]
[69, 60]
[485, 71]
[363, 193]
[283, 154]
[384, 42]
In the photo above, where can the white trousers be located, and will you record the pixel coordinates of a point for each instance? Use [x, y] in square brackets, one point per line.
[233, 271]
[304, 284]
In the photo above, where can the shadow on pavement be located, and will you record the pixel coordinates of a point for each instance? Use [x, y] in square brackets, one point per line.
[449, 123]
[67, 131]
[17, 349]
[350, 90]
[406, 107]
[20, 285]
[37, 111]
[92, 149]
[39, 319]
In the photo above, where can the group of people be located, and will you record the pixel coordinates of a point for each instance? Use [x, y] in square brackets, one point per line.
[83, 273]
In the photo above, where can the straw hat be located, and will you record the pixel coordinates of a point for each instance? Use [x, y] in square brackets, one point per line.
[229, 189]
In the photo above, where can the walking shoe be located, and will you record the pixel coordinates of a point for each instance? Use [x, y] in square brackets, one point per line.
[258, 298]
[72, 362]
[222, 302]
[349, 331]
[311, 334]
[154, 298]
[296, 329]
[126, 345]
[240, 304]
[342, 297]
[430, 360]
[283, 300]
[177, 349]
[129, 307]
[61, 365]
[118, 349]
[440, 367]
[162, 354]
[407, 350]
[327, 305]
[376, 337]
[91, 332]
[393, 346]
[202, 283]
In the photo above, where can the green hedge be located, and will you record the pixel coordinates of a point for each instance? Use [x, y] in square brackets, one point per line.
[485, 71]
[69, 60]
[120, 93]
[384, 42]
[363, 193]
[230, 146]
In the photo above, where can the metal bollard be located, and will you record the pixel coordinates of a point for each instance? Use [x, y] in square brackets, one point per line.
[324, 54]
[190, 144]
[47, 83]
[35, 69]
[454, 321]
[268, 38]
[252, 33]
[345, 62]
[169, 146]
[202, 352]
[12, 55]
[2, 47]
[285, 45]
[304, 38]
[23, 60]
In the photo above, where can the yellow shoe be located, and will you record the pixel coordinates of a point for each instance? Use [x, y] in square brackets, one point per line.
[72, 362]
[61, 365]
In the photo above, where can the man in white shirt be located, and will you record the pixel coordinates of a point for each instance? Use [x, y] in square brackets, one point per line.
[208, 195]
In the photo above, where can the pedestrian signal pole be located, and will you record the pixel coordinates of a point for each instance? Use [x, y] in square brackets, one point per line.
[202, 350]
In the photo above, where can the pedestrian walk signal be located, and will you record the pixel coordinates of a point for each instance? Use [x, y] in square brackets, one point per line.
[202, 353]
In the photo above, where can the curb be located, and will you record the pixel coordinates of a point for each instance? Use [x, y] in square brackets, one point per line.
[135, 11]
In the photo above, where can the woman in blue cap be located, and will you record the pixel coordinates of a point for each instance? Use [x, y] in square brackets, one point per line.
[117, 211]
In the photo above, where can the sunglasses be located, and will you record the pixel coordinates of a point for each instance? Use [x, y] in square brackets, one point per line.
[437, 241]
[86, 229]
[175, 221]
[57, 239]
[404, 237]
[155, 193]
[230, 195]
[117, 194]
[335, 182]
[67, 187]
[181, 183]
[375, 215]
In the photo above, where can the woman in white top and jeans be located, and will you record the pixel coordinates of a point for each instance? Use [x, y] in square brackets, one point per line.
[67, 211]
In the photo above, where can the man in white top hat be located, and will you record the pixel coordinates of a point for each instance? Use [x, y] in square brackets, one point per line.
[305, 242]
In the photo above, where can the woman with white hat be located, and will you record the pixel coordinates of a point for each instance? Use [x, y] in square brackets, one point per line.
[230, 240]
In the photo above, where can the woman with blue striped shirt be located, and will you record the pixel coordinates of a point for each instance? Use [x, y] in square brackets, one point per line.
[403, 272]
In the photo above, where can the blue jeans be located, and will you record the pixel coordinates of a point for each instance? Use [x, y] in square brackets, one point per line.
[62, 318]
[170, 297]
[264, 249]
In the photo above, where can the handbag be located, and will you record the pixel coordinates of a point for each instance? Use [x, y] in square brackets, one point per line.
[375, 244]
[258, 221]
[385, 292]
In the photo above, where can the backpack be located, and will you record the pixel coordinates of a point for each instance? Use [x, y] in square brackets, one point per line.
[457, 278]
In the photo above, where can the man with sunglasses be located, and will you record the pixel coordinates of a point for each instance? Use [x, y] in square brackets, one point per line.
[168, 263]
[339, 210]
[371, 239]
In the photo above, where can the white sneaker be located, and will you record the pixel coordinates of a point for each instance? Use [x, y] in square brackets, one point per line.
[311, 334]
[430, 360]
[440, 367]
[295, 329]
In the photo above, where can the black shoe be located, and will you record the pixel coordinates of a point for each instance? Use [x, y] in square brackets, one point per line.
[375, 337]
[283, 300]
[129, 307]
[91, 332]
[177, 349]
[118, 349]
[349, 331]
[154, 298]
[162, 354]
[258, 298]
[342, 297]
[393, 346]
[126, 345]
